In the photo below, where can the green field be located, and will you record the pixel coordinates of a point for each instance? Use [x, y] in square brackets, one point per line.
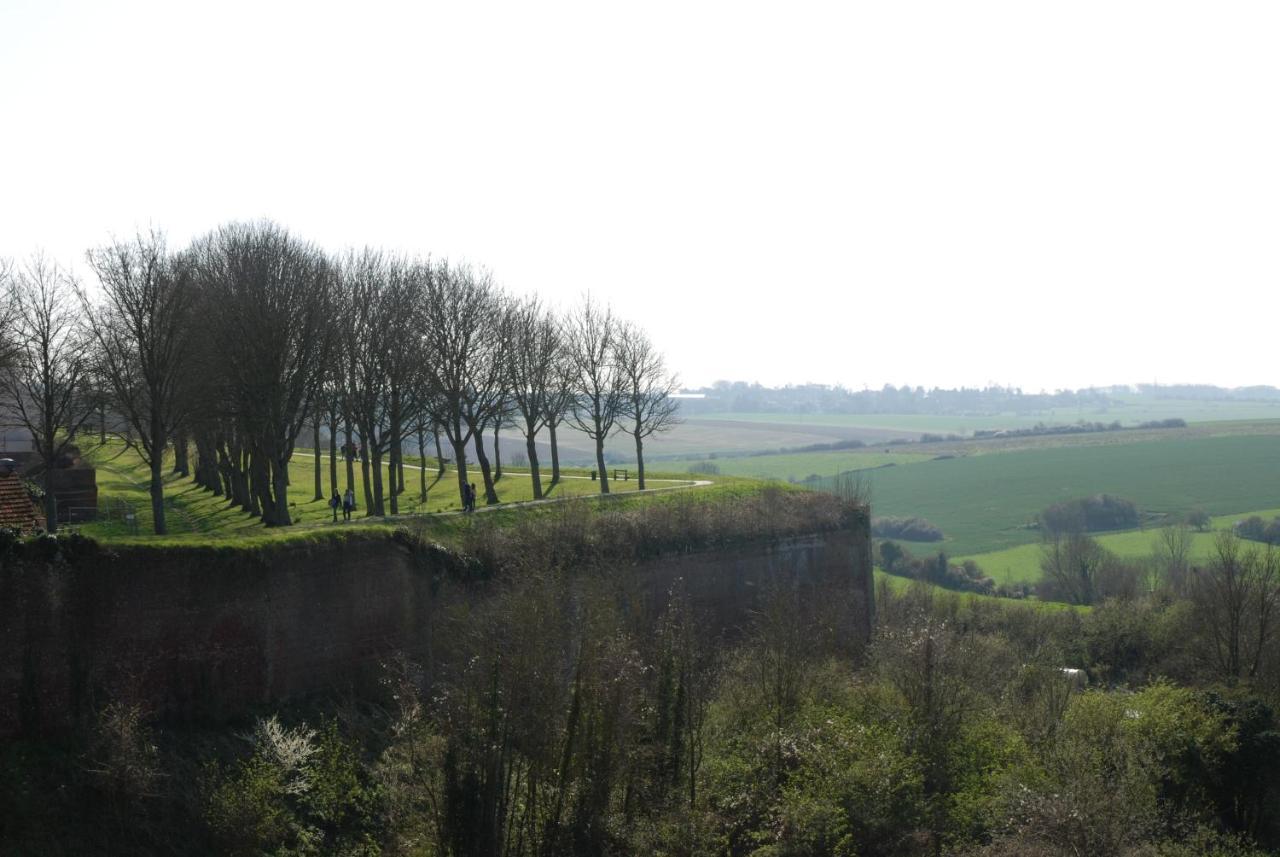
[1021, 564]
[792, 466]
[197, 514]
[984, 503]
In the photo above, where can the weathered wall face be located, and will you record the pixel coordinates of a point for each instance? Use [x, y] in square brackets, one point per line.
[204, 634]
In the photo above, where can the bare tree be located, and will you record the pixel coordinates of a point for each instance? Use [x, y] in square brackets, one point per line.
[590, 334]
[45, 388]
[1171, 557]
[1073, 563]
[271, 301]
[408, 389]
[558, 400]
[1236, 597]
[532, 368]
[462, 364]
[647, 405]
[366, 352]
[8, 342]
[143, 337]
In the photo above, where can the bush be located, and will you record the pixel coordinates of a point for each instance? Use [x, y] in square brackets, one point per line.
[1199, 519]
[299, 792]
[966, 577]
[1090, 514]
[909, 529]
[1257, 530]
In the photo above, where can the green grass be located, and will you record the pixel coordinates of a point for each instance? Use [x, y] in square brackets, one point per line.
[984, 503]
[795, 466]
[195, 515]
[1021, 564]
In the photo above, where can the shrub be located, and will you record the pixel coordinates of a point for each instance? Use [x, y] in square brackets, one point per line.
[966, 577]
[1199, 519]
[910, 529]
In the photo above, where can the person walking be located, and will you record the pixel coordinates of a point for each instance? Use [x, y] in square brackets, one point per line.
[473, 496]
[348, 504]
[334, 503]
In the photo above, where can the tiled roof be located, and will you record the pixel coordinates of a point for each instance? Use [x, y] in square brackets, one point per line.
[16, 509]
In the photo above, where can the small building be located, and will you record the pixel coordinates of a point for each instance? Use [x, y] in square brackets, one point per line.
[17, 510]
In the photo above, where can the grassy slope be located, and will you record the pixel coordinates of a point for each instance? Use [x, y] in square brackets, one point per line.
[982, 503]
[196, 515]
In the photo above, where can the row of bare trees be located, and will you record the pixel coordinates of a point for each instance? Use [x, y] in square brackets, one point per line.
[243, 341]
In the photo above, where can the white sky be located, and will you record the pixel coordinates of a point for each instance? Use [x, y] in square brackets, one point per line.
[1045, 194]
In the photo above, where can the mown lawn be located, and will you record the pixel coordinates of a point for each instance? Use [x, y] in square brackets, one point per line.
[985, 503]
[198, 514]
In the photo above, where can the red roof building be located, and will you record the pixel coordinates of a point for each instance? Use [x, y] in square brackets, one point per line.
[17, 510]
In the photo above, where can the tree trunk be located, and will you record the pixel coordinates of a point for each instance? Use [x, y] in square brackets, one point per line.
[333, 458]
[157, 475]
[393, 500]
[639, 458]
[497, 455]
[439, 453]
[157, 495]
[604, 476]
[364, 473]
[532, 449]
[555, 455]
[315, 442]
[50, 501]
[422, 470]
[280, 487]
[379, 491]
[490, 495]
[351, 464]
[249, 474]
[460, 467]
[396, 451]
[181, 458]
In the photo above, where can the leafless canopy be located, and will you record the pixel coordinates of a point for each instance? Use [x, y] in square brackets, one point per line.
[594, 379]
[647, 404]
[44, 388]
[271, 299]
[463, 353]
[143, 334]
[534, 358]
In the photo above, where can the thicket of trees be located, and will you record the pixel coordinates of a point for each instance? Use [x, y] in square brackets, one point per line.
[251, 339]
[561, 720]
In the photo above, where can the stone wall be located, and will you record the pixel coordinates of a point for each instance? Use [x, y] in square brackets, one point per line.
[209, 635]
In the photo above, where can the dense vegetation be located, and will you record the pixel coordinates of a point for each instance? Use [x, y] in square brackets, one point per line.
[966, 727]
[1090, 514]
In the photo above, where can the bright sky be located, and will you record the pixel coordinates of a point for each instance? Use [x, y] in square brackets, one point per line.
[1045, 194]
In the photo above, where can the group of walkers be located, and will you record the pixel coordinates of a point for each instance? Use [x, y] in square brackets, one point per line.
[347, 504]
